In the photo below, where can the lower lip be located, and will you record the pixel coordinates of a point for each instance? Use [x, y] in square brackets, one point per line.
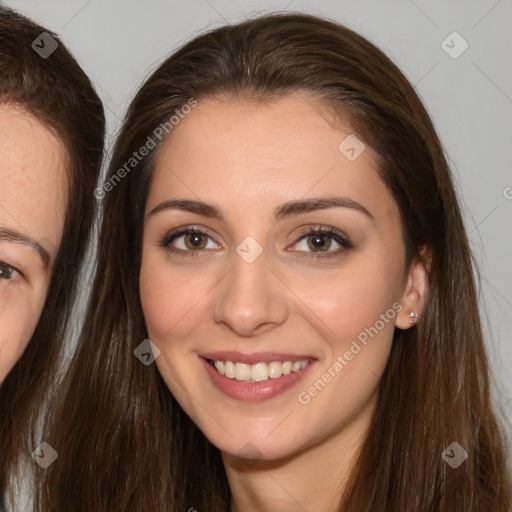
[254, 391]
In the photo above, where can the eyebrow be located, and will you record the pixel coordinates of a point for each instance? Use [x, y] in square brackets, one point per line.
[9, 235]
[288, 209]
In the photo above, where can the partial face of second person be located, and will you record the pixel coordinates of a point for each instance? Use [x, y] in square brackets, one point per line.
[259, 288]
[33, 188]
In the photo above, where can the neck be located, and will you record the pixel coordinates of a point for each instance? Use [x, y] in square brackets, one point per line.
[311, 479]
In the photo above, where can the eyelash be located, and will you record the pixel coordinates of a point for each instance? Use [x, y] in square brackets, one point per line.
[330, 232]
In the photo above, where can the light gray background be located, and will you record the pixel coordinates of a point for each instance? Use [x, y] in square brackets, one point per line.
[469, 98]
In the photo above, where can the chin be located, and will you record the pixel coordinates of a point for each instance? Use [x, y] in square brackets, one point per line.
[247, 440]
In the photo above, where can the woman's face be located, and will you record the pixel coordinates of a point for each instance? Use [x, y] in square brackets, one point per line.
[32, 192]
[298, 324]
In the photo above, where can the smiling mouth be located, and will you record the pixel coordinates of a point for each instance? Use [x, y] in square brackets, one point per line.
[259, 372]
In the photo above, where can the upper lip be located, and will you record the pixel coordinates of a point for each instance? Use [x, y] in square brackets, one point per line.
[256, 357]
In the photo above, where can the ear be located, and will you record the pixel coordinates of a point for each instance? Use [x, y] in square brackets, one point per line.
[415, 290]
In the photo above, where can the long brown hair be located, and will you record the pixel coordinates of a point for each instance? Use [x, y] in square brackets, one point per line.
[57, 92]
[123, 441]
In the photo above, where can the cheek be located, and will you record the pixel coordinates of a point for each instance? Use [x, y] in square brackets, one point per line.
[355, 310]
[18, 320]
[344, 302]
[170, 299]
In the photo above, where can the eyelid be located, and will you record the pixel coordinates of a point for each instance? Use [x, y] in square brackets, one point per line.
[10, 259]
[19, 257]
[329, 230]
[190, 229]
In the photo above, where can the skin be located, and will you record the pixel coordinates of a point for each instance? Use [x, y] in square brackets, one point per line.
[277, 452]
[33, 182]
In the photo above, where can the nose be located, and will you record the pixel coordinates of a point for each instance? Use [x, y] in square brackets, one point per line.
[251, 298]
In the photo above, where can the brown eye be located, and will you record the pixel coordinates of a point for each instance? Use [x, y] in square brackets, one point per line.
[319, 242]
[188, 242]
[195, 241]
[7, 272]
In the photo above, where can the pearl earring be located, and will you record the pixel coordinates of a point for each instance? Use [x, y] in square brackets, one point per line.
[412, 316]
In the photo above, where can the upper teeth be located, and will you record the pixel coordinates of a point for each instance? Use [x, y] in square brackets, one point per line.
[260, 371]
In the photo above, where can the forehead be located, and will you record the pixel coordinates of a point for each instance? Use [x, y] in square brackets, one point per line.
[244, 154]
[33, 177]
